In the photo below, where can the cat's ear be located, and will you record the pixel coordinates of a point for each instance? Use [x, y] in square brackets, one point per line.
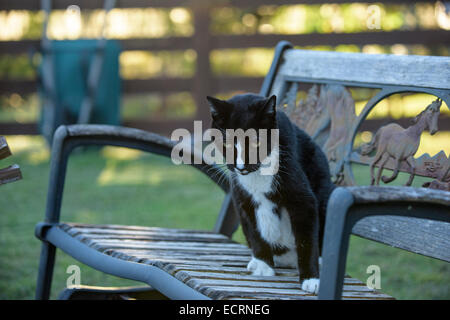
[270, 107]
[218, 108]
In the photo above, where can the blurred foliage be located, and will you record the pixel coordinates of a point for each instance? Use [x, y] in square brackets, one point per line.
[145, 64]
[155, 106]
[150, 23]
[16, 67]
[245, 62]
[19, 108]
[121, 23]
[324, 18]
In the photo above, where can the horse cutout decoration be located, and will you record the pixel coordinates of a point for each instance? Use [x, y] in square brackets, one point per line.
[394, 141]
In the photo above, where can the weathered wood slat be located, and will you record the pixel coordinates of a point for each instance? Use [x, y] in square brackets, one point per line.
[220, 292]
[10, 174]
[99, 233]
[420, 71]
[232, 270]
[260, 296]
[212, 264]
[4, 148]
[155, 238]
[169, 244]
[150, 243]
[188, 254]
[167, 262]
[426, 237]
[370, 194]
[216, 262]
[248, 276]
[87, 227]
[263, 284]
[143, 251]
[197, 256]
[192, 260]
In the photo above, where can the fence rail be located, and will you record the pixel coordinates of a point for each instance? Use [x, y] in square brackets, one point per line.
[203, 42]
[95, 4]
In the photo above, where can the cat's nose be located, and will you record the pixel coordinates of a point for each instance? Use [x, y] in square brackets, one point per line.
[242, 171]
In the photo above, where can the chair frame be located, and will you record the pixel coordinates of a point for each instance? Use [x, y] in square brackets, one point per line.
[346, 206]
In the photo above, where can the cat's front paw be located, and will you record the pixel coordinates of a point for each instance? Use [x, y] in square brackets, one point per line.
[311, 285]
[260, 268]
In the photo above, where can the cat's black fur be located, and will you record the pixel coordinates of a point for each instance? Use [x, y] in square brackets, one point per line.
[303, 176]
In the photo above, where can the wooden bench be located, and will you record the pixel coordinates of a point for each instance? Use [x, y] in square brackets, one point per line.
[11, 173]
[313, 89]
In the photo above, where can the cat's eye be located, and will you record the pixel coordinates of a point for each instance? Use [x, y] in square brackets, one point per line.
[228, 145]
[256, 144]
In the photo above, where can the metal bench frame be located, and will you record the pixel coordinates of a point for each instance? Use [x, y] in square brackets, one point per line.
[347, 205]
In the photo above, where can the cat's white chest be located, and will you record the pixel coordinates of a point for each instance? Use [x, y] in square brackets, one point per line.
[275, 229]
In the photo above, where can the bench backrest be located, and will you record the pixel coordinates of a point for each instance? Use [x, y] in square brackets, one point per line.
[315, 89]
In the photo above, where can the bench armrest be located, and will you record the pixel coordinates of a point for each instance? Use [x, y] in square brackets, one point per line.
[66, 138]
[385, 194]
[348, 205]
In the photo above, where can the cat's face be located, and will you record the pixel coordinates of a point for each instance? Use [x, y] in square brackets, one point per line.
[248, 114]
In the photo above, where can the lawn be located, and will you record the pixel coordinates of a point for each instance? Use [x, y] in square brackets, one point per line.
[120, 186]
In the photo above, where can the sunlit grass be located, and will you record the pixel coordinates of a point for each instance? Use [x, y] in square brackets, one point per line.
[121, 186]
[141, 189]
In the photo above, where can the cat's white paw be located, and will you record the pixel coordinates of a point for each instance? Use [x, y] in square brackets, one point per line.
[311, 285]
[260, 268]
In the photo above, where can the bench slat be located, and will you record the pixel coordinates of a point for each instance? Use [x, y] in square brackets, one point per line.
[122, 228]
[382, 69]
[212, 265]
[4, 148]
[10, 174]
[426, 237]
[246, 276]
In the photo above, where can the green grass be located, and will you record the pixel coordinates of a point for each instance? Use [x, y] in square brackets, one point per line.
[124, 187]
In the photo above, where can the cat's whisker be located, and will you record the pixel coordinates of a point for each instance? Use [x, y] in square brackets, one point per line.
[217, 174]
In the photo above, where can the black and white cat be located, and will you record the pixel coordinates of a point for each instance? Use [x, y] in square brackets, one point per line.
[282, 214]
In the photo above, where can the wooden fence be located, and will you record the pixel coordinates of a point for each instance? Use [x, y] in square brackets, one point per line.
[203, 42]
